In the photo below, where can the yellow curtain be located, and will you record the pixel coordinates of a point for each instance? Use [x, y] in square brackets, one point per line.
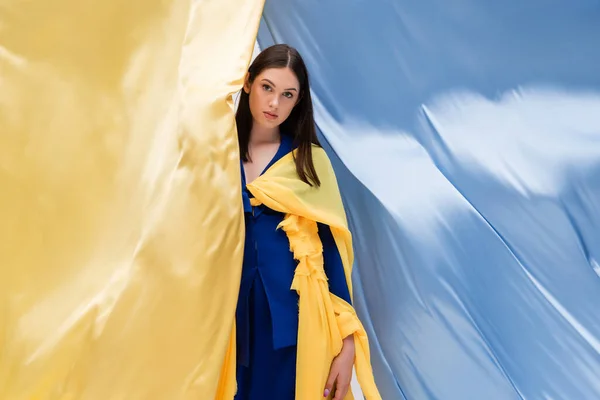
[119, 195]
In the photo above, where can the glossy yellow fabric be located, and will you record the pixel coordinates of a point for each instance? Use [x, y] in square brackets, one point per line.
[120, 250]
[324, 318]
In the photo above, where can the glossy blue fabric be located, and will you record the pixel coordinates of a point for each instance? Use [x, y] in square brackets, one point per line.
[267, 311]
[466, 138]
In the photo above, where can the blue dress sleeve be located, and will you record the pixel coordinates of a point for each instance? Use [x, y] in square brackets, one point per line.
[334, 269]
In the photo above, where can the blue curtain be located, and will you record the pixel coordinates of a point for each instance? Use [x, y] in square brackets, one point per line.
[466, 139]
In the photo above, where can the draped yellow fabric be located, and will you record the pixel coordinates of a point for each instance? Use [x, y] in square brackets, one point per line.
[120, 250]
[324, 318]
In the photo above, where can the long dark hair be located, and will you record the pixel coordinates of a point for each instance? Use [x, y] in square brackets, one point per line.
[300, 123]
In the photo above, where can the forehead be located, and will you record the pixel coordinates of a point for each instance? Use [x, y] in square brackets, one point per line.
[283, 78]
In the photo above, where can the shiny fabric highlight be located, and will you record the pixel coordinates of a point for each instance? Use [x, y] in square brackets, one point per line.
[117, 135]
[466, 139]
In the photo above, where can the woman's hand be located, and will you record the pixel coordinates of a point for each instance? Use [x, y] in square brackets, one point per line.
[340, 373]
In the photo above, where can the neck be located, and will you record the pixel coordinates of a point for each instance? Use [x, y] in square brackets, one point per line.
[260, 135]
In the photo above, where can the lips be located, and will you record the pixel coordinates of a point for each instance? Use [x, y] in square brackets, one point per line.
[269, 115]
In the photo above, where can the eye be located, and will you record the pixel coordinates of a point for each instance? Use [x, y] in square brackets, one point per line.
[288, 95]
[267, 88]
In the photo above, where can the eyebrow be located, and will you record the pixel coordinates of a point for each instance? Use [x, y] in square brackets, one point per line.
[265, 79]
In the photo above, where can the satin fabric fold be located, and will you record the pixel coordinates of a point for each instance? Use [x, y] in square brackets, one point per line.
[119, 270]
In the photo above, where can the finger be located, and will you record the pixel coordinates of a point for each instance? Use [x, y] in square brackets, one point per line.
[330, 383]
[341, 392]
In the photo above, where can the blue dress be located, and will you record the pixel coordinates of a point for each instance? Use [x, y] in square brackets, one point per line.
[267, 310]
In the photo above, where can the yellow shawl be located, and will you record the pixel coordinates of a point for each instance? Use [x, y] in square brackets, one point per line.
[324, 319]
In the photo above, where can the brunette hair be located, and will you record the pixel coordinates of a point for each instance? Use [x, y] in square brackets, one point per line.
[300, 124]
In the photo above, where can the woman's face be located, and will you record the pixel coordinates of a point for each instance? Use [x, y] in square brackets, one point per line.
[273, 95]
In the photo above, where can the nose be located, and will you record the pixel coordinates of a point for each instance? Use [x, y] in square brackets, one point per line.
[274, 102]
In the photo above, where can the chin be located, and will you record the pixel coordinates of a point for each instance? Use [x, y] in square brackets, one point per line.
[270, 124]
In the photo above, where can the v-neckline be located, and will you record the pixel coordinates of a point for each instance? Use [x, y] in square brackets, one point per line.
[269, 164]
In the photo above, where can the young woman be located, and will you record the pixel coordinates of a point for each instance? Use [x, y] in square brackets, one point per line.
[276, 131]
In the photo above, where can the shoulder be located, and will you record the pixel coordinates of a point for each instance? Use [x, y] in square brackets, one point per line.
[323, 166]
[320, 156]
[321, 160]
